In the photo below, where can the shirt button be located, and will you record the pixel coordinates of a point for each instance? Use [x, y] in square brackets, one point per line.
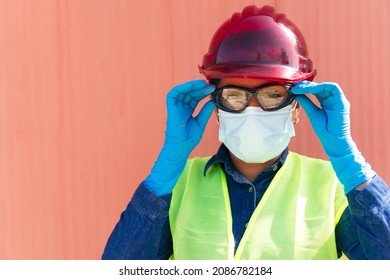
[250, 189]
[275, 168]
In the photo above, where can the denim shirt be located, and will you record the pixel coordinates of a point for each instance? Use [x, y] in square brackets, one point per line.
[143, 232]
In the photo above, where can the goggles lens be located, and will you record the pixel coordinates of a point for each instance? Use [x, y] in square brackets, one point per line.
[235, 99]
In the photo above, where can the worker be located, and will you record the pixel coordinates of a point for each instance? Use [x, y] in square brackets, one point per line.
[256, 199]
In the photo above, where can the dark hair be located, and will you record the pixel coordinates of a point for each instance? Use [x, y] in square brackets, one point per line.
[214, 82]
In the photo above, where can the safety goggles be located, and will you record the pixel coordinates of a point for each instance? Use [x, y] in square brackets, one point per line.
[271, 97]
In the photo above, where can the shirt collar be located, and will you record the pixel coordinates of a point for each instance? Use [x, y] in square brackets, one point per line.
[222, 156]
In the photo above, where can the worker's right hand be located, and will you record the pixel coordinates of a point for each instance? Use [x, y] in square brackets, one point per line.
[183, 133]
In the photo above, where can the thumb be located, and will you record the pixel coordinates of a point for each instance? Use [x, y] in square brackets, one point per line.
[310, 108]
[316, 115]
[204, 115]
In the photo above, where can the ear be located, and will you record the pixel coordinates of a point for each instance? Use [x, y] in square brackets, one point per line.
[297, 110]
[216, 113]
[295, 113]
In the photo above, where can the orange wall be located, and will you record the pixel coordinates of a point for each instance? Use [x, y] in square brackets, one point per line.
[82, 93]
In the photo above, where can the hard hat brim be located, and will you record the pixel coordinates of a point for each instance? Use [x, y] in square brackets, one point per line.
[271, 72]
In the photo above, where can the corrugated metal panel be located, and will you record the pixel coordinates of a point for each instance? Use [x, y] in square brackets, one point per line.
[348, 41]
[82, 94]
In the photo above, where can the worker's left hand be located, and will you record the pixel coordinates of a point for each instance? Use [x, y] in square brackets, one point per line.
[331, 123]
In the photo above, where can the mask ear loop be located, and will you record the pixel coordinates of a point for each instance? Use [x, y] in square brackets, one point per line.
[296, 119]
[294, 106]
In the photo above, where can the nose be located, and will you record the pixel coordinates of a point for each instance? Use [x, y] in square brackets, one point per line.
[253, 102]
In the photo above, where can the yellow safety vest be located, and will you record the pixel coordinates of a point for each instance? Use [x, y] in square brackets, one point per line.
[295, 219]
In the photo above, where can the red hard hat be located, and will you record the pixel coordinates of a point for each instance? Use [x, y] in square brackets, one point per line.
[258, 43]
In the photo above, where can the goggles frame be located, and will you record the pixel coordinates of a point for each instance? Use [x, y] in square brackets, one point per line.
[216, 97]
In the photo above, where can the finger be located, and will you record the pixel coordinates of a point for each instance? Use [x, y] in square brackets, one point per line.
[303, 87]
[199, 94]
[314, 88]
[330, 95]
[204, 115]
[187, 98]
[191, 97]
[187, 87]
[322, 90]
[316, 115]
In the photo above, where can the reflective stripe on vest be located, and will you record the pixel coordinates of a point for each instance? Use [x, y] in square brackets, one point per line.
[295, 219]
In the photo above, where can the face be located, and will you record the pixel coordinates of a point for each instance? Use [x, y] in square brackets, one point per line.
[253, 83]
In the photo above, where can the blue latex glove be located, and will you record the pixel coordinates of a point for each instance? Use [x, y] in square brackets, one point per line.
[183, 133]
[331, 123]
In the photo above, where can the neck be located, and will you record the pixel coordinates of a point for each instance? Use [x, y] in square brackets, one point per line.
[250, 170]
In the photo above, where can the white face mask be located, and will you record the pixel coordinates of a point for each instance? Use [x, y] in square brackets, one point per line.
[256, 136]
